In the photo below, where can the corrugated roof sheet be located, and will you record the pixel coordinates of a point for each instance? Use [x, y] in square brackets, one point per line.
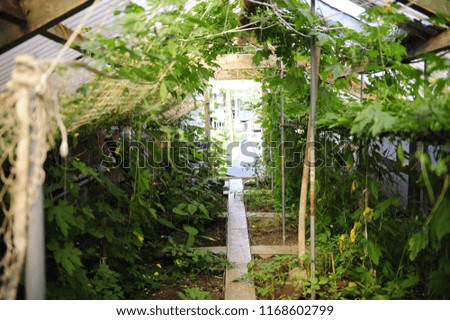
[44, 48]
[37, 46]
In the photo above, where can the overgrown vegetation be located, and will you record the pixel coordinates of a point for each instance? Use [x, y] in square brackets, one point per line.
[258, 200]
[138, 188]
[114, 207]
[123, 218]
[378, 248]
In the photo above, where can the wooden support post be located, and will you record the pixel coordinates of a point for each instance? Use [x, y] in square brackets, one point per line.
[230, 114]
[315, 59]
[206, 113]
[236, 110]
[283, 159]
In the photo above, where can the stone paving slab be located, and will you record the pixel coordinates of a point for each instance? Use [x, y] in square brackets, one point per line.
[238, 246]
[235, 287]
[237, 250]
[238, 221]
[261, 214]
[220, 250]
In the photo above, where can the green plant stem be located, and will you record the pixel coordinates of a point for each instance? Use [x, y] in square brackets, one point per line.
[426, 179]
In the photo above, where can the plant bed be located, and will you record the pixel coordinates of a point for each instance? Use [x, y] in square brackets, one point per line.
[214, 234]
[268, 231]
[201, 288]
[259, 200]
[271, 280]
[270, 275]
[185, 272]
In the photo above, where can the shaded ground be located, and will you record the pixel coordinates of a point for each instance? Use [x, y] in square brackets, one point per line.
[214, 235]
[213, 284]
[268, 231]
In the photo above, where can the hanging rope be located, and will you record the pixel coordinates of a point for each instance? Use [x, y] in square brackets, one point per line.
[23, 110]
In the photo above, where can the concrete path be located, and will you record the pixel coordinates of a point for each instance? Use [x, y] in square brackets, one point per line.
[238, 246]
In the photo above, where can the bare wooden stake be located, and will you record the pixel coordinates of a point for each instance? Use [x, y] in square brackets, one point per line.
[283, 164]
[315, 60]
[302, 206]
[206, 111]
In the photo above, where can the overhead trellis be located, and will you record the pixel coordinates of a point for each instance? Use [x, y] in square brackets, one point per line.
[30, 118]
[105, 97]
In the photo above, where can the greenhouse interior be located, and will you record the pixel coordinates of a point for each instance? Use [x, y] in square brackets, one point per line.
[225, 149]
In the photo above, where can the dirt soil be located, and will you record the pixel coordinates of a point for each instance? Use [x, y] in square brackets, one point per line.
[214, 235]
[268, 232]
[213, 284]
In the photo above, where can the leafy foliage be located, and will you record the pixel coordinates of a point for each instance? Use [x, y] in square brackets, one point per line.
[362, 229]
[104, 216]
[194, 294]
[98, 232]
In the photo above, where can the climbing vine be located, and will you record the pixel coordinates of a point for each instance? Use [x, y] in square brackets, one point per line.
[357, 220]
[104, 217]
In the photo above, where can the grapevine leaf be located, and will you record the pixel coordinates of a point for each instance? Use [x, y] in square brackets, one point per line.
[417, 243]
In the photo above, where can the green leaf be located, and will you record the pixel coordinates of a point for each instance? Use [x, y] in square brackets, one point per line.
[88, 213]
[172, 49]
[411, 281]
[374, 189]
[374, 252]
[160, 219]
[144, 180]
[440, 167]
[63, 214]
[384, 205]
[324, 39]
[440, 222]
[190, 230]
[400, 154]
[179, 212]
[69, 257]
[203, 209]
[439, 281]
[192, 208]
[163, 91]
[165, 222]
[417, 243]
[383, 121]
[84, 169]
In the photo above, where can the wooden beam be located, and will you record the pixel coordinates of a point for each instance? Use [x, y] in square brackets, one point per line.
[60, 33]
[241, 67]
[238, 67]
[436, 43]
[40, 15]
[242, 62]
[430, 7]
[12, 11]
